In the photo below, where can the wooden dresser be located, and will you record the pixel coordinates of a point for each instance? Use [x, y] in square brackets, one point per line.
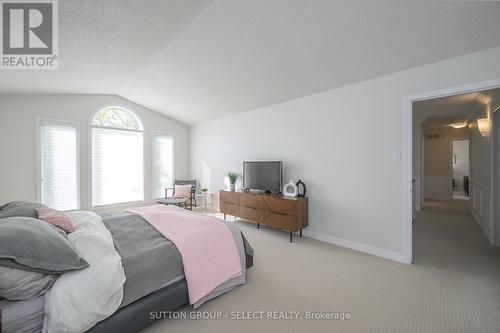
[286, 213]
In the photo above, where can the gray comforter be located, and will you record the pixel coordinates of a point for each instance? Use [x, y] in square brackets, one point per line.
[152, 261]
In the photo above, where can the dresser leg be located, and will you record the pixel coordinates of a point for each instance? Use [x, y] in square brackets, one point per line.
[291, 237]
[300, 233]
[258, 225]
[224, 216]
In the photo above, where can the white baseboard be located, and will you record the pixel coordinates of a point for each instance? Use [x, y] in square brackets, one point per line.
[391, 255]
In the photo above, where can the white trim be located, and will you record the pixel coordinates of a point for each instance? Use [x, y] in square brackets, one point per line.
[365, 248]
[38, 151]
[492, 141]
[407, 148]
[168, 134]
[495, 177]
[407, 183]
[117, 129]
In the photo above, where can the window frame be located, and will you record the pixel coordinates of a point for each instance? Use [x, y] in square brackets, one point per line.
[161, 133]
[126, 110]
[89, 149]
[39, 121]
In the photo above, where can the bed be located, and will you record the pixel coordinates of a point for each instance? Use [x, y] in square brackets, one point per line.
[155, 279]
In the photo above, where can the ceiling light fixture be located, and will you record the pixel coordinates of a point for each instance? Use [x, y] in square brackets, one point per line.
[458, 125]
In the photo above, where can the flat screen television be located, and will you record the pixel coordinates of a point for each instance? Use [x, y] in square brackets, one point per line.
[263, 176]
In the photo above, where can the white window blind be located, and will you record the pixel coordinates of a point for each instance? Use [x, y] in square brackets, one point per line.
[59, 183]
[163, 163]
[117, 166]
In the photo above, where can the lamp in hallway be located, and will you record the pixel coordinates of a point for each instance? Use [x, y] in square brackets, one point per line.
[483, 124]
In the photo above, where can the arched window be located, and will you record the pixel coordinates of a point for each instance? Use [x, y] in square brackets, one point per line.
[117, 117]
[117, 157]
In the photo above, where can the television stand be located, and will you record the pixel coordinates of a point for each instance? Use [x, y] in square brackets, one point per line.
[279, 212]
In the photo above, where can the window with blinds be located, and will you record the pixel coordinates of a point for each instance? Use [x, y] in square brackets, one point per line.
[58, 174]
[117, 157]
[163, 163]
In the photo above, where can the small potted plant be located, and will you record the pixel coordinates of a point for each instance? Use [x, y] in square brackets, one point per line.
[233, 177]
[204, 191]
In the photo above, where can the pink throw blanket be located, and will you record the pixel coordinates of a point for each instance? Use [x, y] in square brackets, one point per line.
[209, 254]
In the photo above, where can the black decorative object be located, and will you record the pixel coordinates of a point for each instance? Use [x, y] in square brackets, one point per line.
[302, 189]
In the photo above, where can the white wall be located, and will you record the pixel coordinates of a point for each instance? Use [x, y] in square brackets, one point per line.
[461, 165]
[18, 115]
[340, 143]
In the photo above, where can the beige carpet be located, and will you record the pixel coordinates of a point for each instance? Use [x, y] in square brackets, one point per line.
[453, 286]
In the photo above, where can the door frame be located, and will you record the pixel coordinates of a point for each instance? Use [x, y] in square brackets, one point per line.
[495, 175]
[408, 148]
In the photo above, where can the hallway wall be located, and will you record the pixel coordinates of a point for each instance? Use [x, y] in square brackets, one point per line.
[480, 190]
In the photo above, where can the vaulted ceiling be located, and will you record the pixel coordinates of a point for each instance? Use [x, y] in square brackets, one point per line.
[198, 60]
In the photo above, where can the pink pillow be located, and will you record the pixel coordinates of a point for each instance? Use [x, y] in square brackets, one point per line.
[183, 190]
[56, 218]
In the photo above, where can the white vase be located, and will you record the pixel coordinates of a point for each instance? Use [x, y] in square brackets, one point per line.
[290, 189]
[232, 187]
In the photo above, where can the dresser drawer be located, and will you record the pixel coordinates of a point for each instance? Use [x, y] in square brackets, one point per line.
[285, 222]
[250, 200]
[230, 209]
[280, 205]
[230, 197]
[251, 214]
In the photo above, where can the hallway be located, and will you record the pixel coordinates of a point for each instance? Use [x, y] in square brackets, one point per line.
[446, 236]
[448, 242]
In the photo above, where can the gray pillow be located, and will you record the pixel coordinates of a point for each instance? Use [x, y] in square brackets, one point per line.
[20, 285]
[35, 245]
[20, 208]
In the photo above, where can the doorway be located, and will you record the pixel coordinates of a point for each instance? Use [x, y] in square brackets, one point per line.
[456, 155]
[414, 160]
[460, 166]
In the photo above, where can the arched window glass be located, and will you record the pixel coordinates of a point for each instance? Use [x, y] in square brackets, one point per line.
[117, 117]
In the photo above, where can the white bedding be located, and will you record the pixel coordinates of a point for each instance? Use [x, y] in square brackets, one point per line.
[80, 299]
